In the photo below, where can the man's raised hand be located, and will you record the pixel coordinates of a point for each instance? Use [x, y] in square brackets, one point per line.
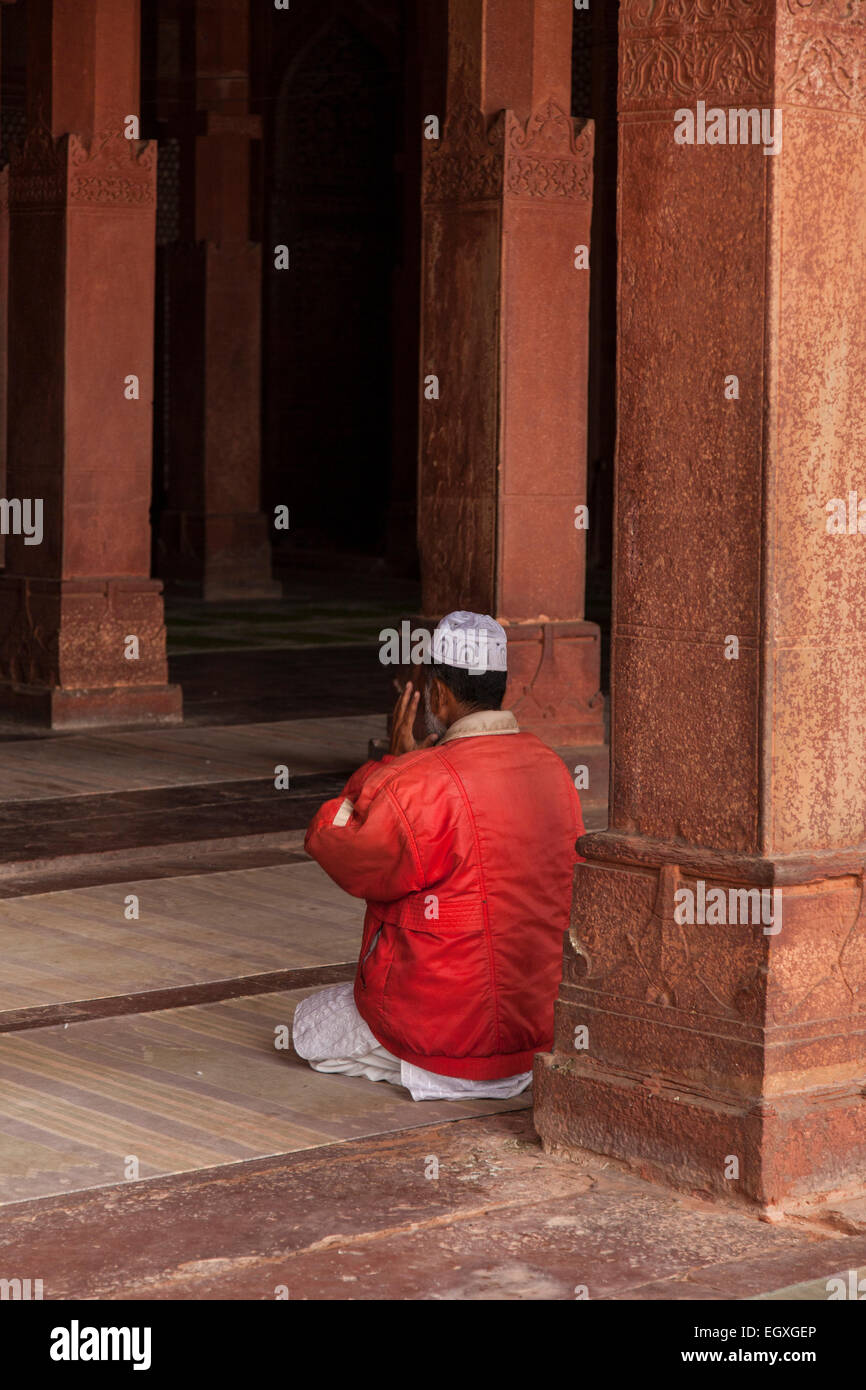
[403, 722]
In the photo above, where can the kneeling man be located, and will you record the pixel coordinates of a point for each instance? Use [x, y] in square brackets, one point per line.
[464, 850]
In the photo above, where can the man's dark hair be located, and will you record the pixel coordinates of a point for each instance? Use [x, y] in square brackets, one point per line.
[480, 689]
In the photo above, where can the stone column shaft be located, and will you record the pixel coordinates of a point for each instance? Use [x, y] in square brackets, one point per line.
[4, 299]
[82, 200]
[729, 1053]
[507, 202]
[214, 539]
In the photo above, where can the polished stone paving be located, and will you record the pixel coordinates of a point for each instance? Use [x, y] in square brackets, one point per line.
[179, 1090]
[158, 934]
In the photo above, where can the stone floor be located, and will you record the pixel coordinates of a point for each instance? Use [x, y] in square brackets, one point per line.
[176, 1090]
[313, 613]
[39, 769]
[190, 933]
[458, 1211]
[155, 1142]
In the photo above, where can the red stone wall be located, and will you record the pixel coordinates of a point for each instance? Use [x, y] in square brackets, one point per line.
[734, 1038]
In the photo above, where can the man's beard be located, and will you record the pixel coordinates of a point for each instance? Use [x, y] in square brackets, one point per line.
[432, 722]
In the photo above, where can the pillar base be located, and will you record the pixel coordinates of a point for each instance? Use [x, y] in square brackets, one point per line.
[68, 658]
[726, 1056]
[215, 557]
[554, 674]
[790, 1150]
[86, 709]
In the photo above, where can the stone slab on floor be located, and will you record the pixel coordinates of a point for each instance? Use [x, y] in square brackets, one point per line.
[192, 858]
[54, 839]
[84, 764]
[179, 1090]
[365, 1220]
[79, 945]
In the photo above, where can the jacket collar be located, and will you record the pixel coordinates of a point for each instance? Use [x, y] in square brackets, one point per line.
[483, 721]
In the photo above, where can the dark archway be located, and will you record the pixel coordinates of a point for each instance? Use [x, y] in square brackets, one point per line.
[328, 366]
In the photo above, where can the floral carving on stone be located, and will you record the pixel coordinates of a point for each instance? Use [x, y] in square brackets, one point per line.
[547, 156]
[730, 64]
[736, 10]
[724, 50]
[821, 70]
[466, 165]
[660, 945]
[109, 169]
[104, 169]
[837, 10]
[37, 170]
[650, 956]
[642, 14]
[659, 69]
[668, 67]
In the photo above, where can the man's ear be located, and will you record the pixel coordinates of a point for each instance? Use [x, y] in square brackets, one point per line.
[438, 700]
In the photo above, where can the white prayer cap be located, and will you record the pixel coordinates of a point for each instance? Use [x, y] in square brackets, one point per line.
[472, 641]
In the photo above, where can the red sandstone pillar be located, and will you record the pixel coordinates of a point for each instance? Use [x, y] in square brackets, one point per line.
[213, 539]
[4, 302]
[507, 200]
[4, 316]
[82, 638]
[730, 1056]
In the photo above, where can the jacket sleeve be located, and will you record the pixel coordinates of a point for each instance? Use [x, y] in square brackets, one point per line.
[352, 789]
[366, 845]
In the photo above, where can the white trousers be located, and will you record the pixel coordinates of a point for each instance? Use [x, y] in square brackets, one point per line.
[330, 1034]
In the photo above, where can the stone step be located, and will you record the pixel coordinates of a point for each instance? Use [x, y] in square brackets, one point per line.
[94, 808]
[77, 954]
[71, 841]
[143, 862]
[75, 765]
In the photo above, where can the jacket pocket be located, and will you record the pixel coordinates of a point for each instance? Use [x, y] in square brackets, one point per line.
[366, 954]
[373, 968]
[437, 999]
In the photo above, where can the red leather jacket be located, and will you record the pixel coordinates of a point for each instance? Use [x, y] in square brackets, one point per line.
[465, 853]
